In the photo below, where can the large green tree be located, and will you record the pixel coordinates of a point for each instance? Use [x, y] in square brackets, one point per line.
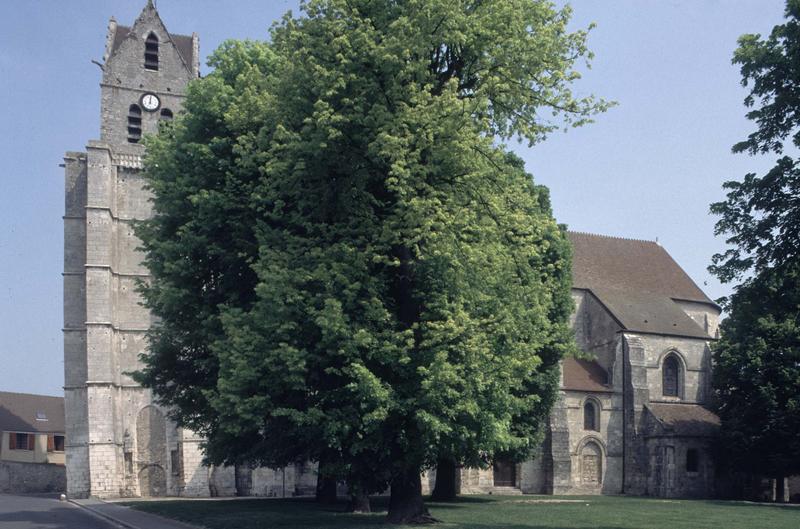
[757, 360]
[347, 264]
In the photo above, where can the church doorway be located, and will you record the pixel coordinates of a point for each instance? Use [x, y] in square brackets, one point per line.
[505, 474]
[591, 465]
[152, 482]
[151, 453]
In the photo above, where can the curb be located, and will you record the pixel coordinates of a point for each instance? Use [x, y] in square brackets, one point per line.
[103, 516]
[128, 525]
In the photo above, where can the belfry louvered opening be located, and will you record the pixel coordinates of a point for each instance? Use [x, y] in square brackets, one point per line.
[151, 52]
[134, 124]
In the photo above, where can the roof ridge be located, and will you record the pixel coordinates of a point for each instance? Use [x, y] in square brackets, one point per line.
[30, 394]
[612, 237]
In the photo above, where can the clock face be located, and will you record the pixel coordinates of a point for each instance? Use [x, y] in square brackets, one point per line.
[150, 102]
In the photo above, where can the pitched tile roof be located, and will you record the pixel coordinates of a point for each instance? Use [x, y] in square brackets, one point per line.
[607, 262]
[685, 419]
[649, 313]
[584, 375]
[638, 282]
[22, 412]
[182, 42]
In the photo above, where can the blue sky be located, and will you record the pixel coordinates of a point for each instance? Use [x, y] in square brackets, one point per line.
[646, 169]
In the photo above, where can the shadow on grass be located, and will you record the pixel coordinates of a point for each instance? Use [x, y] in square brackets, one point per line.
[742, 503]
[482, 512]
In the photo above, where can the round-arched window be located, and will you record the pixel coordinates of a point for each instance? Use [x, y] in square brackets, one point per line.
[590, 414]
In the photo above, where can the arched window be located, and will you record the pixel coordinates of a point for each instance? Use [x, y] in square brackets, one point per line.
[590, 416]
[166, 114]
[671, 374]
[151, 52]
[134, 124]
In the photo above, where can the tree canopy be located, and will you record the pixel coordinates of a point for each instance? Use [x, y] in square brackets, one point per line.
[348, 266]
[757, 360]
[761, 214]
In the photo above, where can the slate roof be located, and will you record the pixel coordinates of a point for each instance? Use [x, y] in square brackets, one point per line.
[182, 42]
[691, 420]
[638, 282]
[22, 412]
[584, 375]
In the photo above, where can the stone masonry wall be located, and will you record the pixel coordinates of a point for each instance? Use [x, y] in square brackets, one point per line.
[75, 366]
[26, 478]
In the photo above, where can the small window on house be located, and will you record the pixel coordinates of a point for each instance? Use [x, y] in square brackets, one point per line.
[692, 460]
[151, 52]
[134, 124]
[41, 416]
[671, 377]
[590, 416]
[58, 443]
[20, 441]
[166, 114]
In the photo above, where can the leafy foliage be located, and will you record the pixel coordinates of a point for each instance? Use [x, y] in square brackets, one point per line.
[757, 373]
[757, 360]
[347, 264]
[761, 215]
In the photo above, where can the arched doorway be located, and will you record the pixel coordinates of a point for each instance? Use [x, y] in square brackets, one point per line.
[151, 451]
[152, 481]
[591, 465]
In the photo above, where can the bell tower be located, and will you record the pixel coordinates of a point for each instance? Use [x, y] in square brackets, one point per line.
[145, 72]
[118, 443]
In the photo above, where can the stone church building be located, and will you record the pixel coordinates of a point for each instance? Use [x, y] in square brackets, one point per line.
[630, 417]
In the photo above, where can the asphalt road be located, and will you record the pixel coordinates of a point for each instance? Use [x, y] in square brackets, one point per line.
[45, 512]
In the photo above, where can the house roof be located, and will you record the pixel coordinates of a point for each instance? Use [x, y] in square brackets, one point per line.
[23, 412]
[685, 419]
[182, 42]
[638, 282]
[584, 375]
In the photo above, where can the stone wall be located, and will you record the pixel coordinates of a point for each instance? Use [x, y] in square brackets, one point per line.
[669, 477]
[582, 442]
[596, 332]
[695, 359]
[27, 478]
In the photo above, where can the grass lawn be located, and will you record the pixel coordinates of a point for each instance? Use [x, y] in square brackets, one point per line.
[483, 512]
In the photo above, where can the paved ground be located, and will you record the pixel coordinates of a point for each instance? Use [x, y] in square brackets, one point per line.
[46, 512]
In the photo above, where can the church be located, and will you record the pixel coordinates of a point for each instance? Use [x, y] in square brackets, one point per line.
[631, 416]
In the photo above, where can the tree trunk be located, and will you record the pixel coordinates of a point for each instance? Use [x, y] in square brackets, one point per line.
[405, 503]
[445, 489]
[359, 502]
[780, 489]
[326, 489]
